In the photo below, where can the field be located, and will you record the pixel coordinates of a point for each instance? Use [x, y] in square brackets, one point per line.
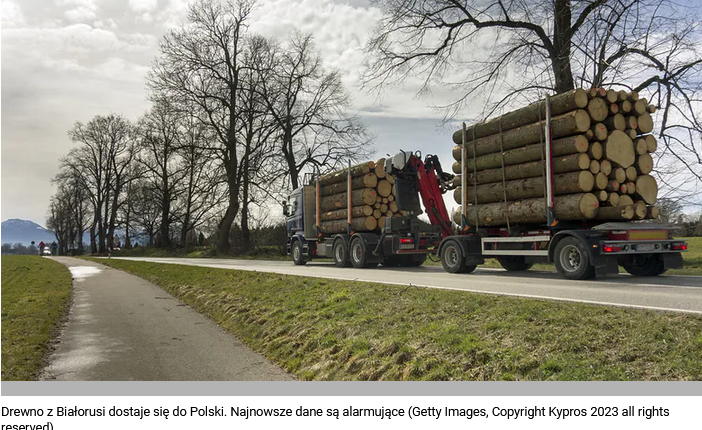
[322, 329]
[35, 294]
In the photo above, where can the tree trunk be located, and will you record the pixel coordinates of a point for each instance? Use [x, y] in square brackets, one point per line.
[560, 104]
[341, 175]
[567, 183]
[369, 180]
[368, 223]
[572, 207]
[568, 124]
[562, 40]
[356, 211]
[365, 196]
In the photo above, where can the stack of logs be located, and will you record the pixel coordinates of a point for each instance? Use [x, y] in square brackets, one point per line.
[601, 161]
[372, 198]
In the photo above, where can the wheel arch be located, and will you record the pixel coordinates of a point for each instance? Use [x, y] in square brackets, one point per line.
[589, 238]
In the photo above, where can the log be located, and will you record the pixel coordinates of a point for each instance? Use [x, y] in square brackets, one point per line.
[571, 207]
[613, 108]
[381, 222]
[560, 147]
[602, 195]
[376, 206]
[619, 148]
[391, 198]
[378, 199]
[600, 181]
[377, 214]
[613, 186]
[384, 188]
[389, 214]
[368, 223]
[570, 163]
[644, 164]
[560, 104]
[631, 121]
[383, 208]
[640, 210]
[630, 188]
[594, 167]
[369, 180]
[615, 122]
[625, 200]
[632, 133]
[606, 167]
[640, 106]
[568, 124]
[341, 175]
[652, 212]
[393, 207]
[644, 123]
[597, 92]
[612, 96]
[618, 175]
[597, 109]
[633, 96]
[385, 200]
[631, 173]
[390, 178]
[590, 134]
[615, 213]
[641, 146]
[595, 151]
[565, 183]
[647, 188]
[622, 95]
[651, 108]
[652, 143]
[613, 199]
[624, 106]
[599, 132]
[380, 168]
[356, 211]
[364, 196]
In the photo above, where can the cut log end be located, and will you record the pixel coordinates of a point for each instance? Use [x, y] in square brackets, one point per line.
[647, 188]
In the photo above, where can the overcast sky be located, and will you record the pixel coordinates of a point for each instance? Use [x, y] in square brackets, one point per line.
[68, 60]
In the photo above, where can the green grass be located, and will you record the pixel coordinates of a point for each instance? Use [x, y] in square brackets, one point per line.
[259, 253]
[692, 261]
[321, 329]
[35, 294]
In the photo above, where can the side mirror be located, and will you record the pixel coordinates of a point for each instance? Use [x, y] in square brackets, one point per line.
[285, 207]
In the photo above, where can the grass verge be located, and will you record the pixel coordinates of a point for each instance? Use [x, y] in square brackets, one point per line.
[323, 329]
[35, 292]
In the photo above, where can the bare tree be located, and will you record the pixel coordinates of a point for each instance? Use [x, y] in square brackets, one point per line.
[310, 108]
[199, 66]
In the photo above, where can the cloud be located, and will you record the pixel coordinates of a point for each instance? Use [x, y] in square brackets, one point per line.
[79, 10]
[141, 6]
[12, 15]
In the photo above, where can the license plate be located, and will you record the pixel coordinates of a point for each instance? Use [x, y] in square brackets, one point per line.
[644, 247]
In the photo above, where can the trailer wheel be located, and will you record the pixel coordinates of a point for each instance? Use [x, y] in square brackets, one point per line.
[453, 260]
[514, 263]
[359, 254]
[572, 259]
[341, 253]
[298, 255]
[644, 265]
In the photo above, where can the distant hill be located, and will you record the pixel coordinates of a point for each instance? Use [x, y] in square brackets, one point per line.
[24, 232]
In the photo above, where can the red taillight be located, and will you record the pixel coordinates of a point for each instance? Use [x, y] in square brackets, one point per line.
[406, 240]
[679, 247]
[611, 248]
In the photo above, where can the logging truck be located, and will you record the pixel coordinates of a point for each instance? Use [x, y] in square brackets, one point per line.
[525, 197]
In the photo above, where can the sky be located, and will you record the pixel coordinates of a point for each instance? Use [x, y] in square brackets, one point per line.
[65, 61]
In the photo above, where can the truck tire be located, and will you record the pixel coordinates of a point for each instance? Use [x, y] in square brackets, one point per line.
[453, 260]
[340, 251]
[572, 259]
[298, 255]
[644, 265]
[514, 263]
[359, 254]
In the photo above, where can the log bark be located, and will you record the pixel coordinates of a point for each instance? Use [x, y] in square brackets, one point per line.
[365, 196]
[619, 148]
[560, 147]
[369, 180]
[571, 207]
[570, 163]
[595, 151]
[356, 211]
[618, 174]
[560, 104]
[652, 143]
[645, 123]
[599, 132]
[615, 213]
[644, 164]
[384, 188]
[597, 109]
[368, 223]
[606, 167]
[566, 183]
[341, 175]
[568, 124]
[631, 173]
[615, 122]
[647, 188]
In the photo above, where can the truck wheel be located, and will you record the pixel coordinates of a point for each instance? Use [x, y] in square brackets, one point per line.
[514, 263]
[298, 255]
[453, 260]
[341, 253]
[644, 265]
[359, 255]
[572, 259]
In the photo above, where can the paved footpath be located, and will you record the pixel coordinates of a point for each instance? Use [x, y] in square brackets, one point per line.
[123, 328]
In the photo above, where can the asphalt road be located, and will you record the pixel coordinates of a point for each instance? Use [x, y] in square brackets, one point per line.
[123, 328]
[667, 293]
